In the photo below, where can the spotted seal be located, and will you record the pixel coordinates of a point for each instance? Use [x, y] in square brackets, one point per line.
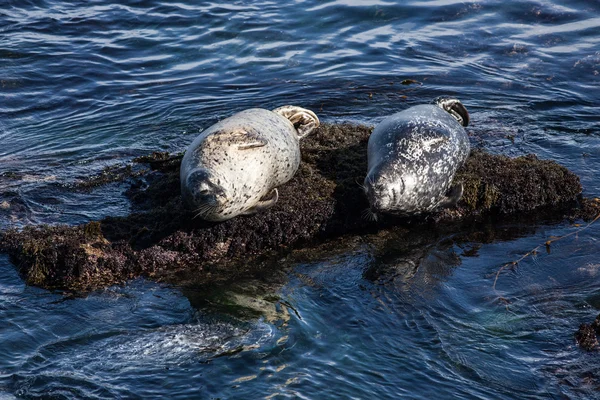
[413, 156]
[235, 166]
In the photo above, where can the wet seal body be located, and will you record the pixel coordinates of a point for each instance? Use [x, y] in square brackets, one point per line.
[234, 167]
[413, 156]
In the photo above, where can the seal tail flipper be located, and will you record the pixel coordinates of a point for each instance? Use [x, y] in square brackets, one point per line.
[265, 203]
[452, 197]
[455, 108]
[305, 121]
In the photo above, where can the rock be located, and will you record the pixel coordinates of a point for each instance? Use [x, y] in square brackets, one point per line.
[162, 241]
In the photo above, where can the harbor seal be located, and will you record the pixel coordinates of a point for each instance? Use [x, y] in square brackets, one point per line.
[235, 166]
[413, 156]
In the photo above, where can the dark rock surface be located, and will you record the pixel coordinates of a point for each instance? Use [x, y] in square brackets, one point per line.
[586, 336]
[162, 241]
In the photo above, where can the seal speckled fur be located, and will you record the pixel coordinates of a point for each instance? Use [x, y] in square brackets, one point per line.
[412, 158]
[235, 166]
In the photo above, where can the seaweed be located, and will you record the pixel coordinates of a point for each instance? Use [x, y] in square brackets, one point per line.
[507, 185]
[109, 174]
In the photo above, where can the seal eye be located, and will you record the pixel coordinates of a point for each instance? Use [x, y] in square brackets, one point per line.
[204, 188]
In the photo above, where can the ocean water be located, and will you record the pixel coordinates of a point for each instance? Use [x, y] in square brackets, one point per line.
[86, 85]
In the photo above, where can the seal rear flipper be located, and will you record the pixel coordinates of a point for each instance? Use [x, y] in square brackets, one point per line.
[263, 204]
[452, 197]
[454, 107]
[305, 121]
[246, 140]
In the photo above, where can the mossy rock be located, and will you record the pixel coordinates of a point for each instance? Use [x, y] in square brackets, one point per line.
[508, 185]
[324, 200]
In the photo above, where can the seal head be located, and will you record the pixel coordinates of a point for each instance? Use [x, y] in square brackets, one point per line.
[202, 194]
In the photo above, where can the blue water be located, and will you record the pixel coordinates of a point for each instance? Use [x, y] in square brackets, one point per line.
[87, 85]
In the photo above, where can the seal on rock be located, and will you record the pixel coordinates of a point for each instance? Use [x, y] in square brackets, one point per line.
[413, 156]
[235, 166]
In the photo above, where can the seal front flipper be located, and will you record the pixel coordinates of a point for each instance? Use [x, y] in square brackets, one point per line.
[452, 197]
[266, 202]
[246, 140]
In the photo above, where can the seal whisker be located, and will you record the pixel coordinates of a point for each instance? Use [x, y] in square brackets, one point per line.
[363, 187]
[369, 215]
[204, 210]
[210, 210]
[371, 180]
[198, 214]
[365, 213]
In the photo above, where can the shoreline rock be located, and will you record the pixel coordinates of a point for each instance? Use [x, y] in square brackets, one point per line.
[324, 200]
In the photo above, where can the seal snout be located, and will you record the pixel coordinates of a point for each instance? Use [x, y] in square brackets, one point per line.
[201, 192]
[383, 195]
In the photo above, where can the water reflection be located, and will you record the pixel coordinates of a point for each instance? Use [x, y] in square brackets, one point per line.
[367, 317]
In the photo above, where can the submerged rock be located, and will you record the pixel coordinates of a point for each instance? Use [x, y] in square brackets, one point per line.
[586, 336]
[162, 241]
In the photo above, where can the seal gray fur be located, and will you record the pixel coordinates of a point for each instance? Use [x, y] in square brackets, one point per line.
[413, 156]
[235, 166]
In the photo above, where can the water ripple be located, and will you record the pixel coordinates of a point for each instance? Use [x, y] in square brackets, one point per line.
[94, 85]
